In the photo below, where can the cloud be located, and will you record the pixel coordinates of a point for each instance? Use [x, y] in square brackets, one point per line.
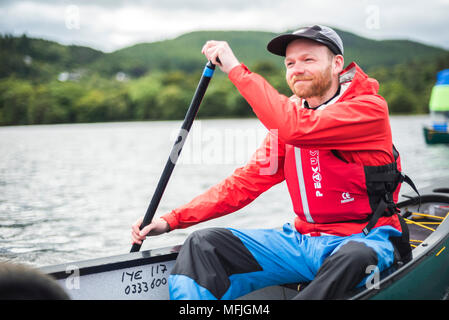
[109, 25]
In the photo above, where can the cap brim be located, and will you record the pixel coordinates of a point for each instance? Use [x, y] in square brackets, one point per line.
[278, 45]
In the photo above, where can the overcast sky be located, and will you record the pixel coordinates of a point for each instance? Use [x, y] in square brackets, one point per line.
[113, 24]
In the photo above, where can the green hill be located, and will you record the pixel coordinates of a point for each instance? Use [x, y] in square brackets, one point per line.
[41, 59]
[183, 53]
[45, 82]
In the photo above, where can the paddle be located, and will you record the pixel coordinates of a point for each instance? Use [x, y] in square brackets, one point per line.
[177, 147]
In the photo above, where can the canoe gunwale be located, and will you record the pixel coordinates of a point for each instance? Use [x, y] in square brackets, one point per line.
[111, 263]
[427, 248]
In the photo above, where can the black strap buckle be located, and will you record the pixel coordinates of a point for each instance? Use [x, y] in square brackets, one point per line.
[375, 217]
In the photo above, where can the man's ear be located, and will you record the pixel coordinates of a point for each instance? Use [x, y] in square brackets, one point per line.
[339, 63]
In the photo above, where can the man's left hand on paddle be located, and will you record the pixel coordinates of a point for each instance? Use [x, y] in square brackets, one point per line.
[220, 49]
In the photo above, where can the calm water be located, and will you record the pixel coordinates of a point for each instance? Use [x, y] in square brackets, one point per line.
[71, 192]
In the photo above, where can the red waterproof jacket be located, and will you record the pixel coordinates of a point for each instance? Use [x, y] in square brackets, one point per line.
[322, 154]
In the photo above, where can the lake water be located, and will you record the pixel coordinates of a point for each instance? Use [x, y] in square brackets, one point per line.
[71, 192]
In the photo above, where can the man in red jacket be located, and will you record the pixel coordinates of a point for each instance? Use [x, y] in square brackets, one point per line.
[331, 142]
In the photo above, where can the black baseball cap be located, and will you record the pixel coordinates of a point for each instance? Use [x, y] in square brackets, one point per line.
[321, 34]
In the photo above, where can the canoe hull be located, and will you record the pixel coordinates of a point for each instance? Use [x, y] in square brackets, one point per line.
[147, 282]
[139, 275]
[415, 285]
[435, 137]
[144, 275]
[425, 276]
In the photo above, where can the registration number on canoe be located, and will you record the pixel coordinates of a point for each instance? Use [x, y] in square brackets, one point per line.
[137, 281]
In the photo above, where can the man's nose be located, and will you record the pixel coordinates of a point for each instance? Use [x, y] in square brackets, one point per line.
[298, 68]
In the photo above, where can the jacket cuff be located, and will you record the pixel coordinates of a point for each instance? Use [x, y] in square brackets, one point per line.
[237, 72]
[171, 219]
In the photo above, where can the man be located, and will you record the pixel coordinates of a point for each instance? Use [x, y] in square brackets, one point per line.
[331, 141]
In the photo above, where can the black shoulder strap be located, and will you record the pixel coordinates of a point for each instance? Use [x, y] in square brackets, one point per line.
[402, 243]
[386, 200]
[406, 179]
[395, 153]
[381, 207]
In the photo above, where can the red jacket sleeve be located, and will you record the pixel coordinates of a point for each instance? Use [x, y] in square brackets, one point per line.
[265, 169]
[360, 122]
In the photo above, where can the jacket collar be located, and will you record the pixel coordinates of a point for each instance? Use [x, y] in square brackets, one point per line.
[353, 82]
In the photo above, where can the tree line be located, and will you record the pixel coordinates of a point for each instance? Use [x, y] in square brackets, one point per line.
[166, 95]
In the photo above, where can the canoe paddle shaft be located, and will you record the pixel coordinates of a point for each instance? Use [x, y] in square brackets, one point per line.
[177, 147]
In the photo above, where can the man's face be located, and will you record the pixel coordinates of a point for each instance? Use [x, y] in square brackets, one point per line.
[309, 68]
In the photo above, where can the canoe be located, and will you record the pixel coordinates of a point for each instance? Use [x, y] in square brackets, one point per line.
[144, 275]
[435, 136]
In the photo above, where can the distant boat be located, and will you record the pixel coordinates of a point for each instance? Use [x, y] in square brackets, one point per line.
[438, 130]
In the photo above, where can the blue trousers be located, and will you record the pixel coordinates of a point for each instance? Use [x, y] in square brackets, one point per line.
[228, 263]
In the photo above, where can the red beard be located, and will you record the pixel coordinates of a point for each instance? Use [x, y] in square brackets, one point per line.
[314, 87]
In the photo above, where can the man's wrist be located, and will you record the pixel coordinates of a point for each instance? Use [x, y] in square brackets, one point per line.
[236, 63]
[169, 218]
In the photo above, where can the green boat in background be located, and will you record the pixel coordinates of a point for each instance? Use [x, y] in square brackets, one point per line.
[438, 130]
[433, 136]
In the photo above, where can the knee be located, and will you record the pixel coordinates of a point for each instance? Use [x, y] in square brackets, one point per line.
[200, 238]
[203, 234]
[356, 254]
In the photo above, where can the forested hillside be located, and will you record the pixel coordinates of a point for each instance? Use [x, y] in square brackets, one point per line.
[46, 82]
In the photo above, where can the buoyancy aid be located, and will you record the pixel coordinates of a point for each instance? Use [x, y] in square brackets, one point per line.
[325, 189]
